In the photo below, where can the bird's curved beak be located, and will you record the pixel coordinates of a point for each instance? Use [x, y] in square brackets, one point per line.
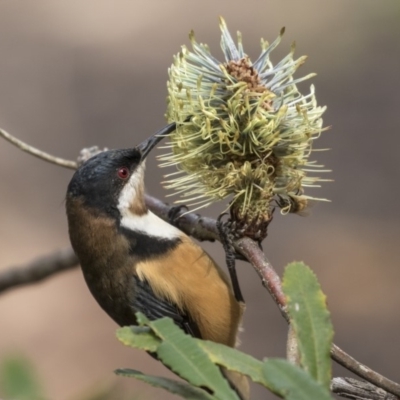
[146, 146]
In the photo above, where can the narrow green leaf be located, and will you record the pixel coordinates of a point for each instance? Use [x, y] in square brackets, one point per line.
[180, 388]
[141, 319]
[234, 360]
[185, 357]
[310, 319]
[18, 380]
[291, 382]
[139, 337]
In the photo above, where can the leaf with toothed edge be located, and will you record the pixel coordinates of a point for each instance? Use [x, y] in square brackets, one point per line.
[196, 361]
[139, 337]
[310, 319]
[186, 358]
[234, 360]
[277, 375]
[141, 319]
[179, 352]
[292, 383]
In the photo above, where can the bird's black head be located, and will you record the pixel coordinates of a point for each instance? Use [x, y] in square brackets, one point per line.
[111, 182]
[100, 181]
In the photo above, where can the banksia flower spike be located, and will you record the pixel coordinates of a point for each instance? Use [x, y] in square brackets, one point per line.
[244, 130]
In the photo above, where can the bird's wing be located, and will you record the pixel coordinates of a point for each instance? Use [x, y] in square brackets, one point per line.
[154, 307]
[146, 301]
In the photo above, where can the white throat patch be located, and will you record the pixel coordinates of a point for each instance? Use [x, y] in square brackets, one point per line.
[150, 225]
[132, 189]
[147, 223]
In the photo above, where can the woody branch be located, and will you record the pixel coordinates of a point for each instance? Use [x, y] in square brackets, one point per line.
[202, 228]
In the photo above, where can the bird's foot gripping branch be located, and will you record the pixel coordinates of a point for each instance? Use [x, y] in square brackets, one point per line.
[204, 228]
[240, 129]
[244, 132]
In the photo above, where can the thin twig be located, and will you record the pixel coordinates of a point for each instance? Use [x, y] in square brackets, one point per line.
[272, 282]
[53, 263]
[202, 228]
[348, 362]
[38, 269]
[269, 277]
[205, 229]
[359, 390]
[38, 153]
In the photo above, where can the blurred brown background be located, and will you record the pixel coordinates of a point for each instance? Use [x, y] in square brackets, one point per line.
[75, 74]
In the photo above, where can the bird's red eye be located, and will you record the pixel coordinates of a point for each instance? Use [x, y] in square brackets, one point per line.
[123, 173]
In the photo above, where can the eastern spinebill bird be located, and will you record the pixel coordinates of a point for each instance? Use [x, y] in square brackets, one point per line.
[132, 260]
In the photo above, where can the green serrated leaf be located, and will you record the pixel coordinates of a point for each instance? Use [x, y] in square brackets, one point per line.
[139, 337]
[185, 357]
[310, 319]
[291, 382]
[141, 319]
[234, 360]
[180, 388]
[18, 380]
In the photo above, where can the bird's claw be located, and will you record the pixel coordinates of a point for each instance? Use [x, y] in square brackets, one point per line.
[175, 213]
[227, 235]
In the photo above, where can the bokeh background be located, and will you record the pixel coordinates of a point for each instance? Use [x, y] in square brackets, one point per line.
[76, 74]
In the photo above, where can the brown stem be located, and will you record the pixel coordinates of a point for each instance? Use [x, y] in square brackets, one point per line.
[48, 265]
[269, 277]
[348, 362]
[272, 282]
[38, 269]
[36, 152]
[203, 229]
[359, 390]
